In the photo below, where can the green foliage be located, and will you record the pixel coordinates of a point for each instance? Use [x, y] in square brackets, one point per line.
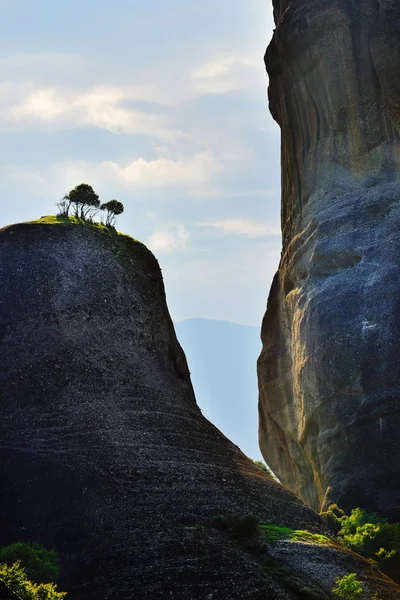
[112, 208]
[373, 537]
[274, 533]
[348, 587]
[332, 517]
[15, 577]
[82, 200]
[263, 467]
[300, 535]
[39, 563]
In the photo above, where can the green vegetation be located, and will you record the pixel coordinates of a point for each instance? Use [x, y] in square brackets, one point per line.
[82, 200]
[263, 467]
[70, 220]
[84, 203]
[39, 563]
[348, 587]
[248, 528]
[368, 534]
[274, 533]
[332, 517]
[16, 578]
[254, 538]
[112, 208]
[30, 570]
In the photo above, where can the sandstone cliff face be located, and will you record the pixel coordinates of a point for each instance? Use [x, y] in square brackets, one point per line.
[104, 453]
[329, 372]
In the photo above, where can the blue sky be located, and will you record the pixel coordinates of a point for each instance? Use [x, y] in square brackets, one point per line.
[161, 105]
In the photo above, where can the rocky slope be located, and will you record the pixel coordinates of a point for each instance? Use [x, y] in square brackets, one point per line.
[329, 372]
[104, 453]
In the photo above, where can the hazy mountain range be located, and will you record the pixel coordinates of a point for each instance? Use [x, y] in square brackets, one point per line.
[222, 359]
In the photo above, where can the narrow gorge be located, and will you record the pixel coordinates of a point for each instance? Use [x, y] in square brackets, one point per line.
[105, 455]
[329, 372]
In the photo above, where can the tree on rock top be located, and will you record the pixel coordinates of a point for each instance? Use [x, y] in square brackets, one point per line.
[113, 208]
[82, 200]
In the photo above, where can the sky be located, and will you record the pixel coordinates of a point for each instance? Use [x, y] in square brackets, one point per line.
[163, 106]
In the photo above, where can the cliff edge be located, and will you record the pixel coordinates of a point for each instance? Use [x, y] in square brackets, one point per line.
[104, 453]
[329, 372]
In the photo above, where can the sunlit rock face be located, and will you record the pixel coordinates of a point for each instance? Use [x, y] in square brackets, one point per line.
[329, 372]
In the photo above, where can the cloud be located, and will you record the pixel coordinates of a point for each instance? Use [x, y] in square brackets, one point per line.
[247, 228]
[168, 240]
[223, 76]
[101, 106]
[194, 170]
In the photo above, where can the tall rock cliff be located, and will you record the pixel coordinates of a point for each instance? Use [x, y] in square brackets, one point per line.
[329, 372]
[104, 454]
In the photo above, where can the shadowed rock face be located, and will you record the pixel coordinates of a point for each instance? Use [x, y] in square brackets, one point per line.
[329, 372]
[104, 453]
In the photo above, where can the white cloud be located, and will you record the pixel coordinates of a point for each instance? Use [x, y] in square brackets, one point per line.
[243, 227]
[100, 106]
[194, 170]
[168, 240]
[223, 76]
[221, 67]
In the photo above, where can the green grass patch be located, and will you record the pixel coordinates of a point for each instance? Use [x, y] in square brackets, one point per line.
[275, 533]
[119, 243]
[59, 219]
[300, 535]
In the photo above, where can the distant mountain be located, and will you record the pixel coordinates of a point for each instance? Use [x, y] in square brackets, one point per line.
[222, 359]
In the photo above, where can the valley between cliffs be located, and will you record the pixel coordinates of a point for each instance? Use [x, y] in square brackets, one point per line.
[104, 453]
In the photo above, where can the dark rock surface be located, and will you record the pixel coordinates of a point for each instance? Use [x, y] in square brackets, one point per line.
[104, 453]
[6, 593]
[329, 372]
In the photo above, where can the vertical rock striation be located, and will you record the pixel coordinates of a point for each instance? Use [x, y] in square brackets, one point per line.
[329, 371]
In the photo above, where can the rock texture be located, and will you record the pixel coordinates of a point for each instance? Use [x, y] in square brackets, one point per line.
[104, 453]
[329, 372]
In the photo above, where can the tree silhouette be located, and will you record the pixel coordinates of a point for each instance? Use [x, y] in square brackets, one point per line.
[83, 200]
[113, 208]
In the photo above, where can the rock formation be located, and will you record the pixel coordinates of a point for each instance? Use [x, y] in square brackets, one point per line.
[104, 453]
[329, 372]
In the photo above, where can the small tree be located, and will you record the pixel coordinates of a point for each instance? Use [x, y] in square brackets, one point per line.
[14, 576]
[113, 208]
[64, 205]
[40, 564]
[348, 587]
[83, 199]
[332, 517]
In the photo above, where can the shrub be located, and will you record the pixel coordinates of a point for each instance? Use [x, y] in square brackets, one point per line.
[373, 537]
[39, 563]
[348, 587]
[15, 577]
[263, 467]
[332, 517]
